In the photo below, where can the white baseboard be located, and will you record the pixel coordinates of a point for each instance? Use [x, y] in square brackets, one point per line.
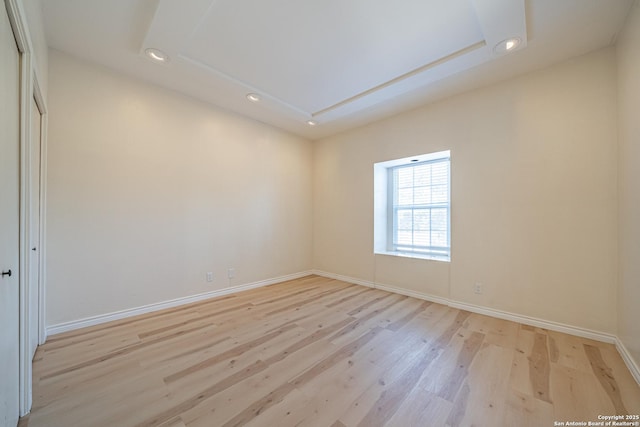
[527, 320]
[388, 288]
[628, 360]
[414, 294]
[108, 317]
[344, 278]
[534, 321]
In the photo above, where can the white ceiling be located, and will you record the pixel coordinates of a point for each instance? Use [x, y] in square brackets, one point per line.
[339, 63]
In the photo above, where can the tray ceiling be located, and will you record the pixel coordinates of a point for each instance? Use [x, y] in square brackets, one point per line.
[338, 63]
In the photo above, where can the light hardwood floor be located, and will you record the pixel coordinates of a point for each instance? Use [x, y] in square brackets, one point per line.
[320, 352]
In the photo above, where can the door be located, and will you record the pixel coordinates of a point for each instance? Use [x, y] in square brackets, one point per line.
[34, 220]
[9, 220]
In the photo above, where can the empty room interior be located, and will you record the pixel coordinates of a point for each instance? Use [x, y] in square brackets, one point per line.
[297, 213]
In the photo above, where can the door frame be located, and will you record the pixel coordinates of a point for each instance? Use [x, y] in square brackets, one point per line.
[29, 89]
[39, 99]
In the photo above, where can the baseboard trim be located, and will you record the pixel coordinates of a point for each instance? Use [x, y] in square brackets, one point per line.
[505, 315]
[628, 360]
[343, 278]
[527, 320]
[632, 365]
[536, 322]
[414, 294]
[109, 317]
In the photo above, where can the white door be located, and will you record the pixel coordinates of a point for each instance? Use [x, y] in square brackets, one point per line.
[34, 219]
[9, 221]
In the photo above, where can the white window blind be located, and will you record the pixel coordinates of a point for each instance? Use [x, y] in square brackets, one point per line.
[419, 200]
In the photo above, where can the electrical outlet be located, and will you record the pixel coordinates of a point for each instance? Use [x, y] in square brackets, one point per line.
[231, 273]
[210, 277]
[477, 288]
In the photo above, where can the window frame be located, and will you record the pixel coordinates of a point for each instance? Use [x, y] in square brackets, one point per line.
[385, 209]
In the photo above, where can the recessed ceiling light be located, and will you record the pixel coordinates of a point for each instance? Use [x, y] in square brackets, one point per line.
[312, 122]
[253, 97]
[156, 55]
[507, 45]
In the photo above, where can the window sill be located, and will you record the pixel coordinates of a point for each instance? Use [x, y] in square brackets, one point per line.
[414, 255]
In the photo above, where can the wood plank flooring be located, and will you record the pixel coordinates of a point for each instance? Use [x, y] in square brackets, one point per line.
[320, 352]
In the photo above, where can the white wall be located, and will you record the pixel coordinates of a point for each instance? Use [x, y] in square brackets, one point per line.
[534, 200]
[148, 190]
[629, 183]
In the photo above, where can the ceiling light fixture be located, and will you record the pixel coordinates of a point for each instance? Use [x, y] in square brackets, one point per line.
[507, 45]
[253, 97]
[156, 55]
[312, 122]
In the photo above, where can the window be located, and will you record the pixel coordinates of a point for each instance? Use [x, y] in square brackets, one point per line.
[412, 206]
